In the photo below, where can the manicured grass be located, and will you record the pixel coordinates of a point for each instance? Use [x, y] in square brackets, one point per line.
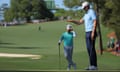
[28, 39]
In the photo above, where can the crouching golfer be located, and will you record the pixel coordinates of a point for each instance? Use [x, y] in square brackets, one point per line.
[67, 37]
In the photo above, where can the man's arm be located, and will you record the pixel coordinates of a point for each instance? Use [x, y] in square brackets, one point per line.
[60, 40]
[94, 29]
[76, 22]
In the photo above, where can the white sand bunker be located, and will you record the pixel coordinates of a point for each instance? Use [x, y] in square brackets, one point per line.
[20, 55]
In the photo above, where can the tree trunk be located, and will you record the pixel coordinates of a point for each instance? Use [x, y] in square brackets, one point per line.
[99, 29]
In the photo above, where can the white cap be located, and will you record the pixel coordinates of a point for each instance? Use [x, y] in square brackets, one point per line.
[69, 27]
[84, 4]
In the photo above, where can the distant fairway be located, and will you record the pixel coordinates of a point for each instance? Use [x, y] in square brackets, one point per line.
[28, 39]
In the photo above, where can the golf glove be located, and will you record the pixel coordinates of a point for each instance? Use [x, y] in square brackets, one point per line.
[59, 42]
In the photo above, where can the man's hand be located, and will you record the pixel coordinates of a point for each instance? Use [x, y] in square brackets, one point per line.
[94, 30]
[92, 35]
[59, 43]
[79, 22]
[74, 21]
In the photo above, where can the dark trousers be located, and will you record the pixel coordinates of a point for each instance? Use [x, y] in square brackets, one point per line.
[91, 49]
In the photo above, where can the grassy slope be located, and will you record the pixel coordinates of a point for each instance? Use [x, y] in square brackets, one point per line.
[29, 40]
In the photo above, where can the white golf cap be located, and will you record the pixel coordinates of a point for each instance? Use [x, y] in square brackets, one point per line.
[68, 26]
[84, 4]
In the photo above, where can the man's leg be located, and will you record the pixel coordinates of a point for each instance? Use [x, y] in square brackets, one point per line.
[88, 43]
[91, 49]
[93, 54]
[68, 54]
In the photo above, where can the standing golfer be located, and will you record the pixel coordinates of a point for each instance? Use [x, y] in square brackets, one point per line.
[67, 37]
[90, 21]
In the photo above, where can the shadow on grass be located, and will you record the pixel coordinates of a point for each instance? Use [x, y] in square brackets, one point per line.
[6, 43]
[22, 47]
[11, 46]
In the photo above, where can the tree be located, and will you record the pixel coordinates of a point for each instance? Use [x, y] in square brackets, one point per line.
[113, 16]
[29, 8]
[110, 14]
[8, 15]
[108, 9]
[72, 3]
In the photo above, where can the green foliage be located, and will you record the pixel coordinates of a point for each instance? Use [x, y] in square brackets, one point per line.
[8, 15]
[29, 8]
[72, 3]
[109, 12]
[111, 15]
[60, 12]
[71, 13]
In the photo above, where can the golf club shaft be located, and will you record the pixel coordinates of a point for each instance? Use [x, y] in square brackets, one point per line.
[59, 59]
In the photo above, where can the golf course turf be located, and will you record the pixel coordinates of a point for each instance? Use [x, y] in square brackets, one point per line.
[29, 39]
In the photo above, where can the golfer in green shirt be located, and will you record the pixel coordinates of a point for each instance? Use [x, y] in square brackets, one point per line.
[67, 38]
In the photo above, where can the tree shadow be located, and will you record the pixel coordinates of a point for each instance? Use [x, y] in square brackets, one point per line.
[7, 43]
[11, 46]
[22, 47]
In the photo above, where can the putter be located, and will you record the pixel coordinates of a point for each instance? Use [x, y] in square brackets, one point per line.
[59, 58]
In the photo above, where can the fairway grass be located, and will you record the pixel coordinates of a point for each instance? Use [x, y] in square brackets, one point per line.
[28, 39]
